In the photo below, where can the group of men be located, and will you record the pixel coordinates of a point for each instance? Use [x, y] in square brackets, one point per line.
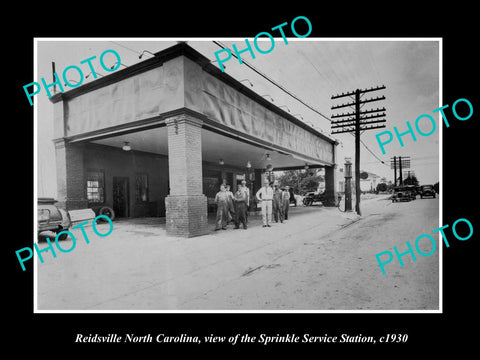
[234, 207]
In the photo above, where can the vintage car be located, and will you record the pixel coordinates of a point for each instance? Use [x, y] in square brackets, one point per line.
[413, 191]
[427, 190]
[312, 197]
[402, 193]
[52, 218]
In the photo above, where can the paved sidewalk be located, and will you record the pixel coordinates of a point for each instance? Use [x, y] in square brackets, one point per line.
[137, 267]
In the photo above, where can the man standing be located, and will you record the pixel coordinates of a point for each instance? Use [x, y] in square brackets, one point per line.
[230, 203]
[241, 208]
[265, 196]
[277, 204]
[286, 202]
[247, 192]
[222, 209]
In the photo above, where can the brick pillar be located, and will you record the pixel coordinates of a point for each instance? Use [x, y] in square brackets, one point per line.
[186, 206]
[330, 191]
[70, 176]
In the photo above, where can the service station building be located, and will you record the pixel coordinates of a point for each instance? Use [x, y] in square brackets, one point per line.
[159, 137]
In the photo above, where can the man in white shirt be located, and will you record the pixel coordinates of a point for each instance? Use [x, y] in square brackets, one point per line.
[265, 196]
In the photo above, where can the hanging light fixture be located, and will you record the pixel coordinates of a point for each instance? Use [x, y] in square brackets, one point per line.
[249, 164]
[221, 162]
[306, 166]
[126, 146]
[268, 157]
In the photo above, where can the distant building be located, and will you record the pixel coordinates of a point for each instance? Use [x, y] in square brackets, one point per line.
[370, 183]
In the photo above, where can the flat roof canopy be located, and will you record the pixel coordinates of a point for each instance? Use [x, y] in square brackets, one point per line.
[215, 146]
[178, 80]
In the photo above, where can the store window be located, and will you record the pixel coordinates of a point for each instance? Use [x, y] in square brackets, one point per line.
[141, 187]
[95, 187]
[211, 182]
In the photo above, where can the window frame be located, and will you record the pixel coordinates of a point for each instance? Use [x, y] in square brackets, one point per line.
[138, 194]
[101, 186]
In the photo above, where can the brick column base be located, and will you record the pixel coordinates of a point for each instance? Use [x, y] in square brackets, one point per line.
[330, 193]
[186, 215]
[70, 175]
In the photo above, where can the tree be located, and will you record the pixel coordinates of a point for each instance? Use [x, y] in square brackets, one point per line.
[390, 185]
[411, 180]
[382, 187]
[301, 181]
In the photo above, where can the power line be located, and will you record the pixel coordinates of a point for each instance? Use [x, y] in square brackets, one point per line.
[274, 82]
[125, 47]
[425, 157]
[371, 152]
[322, 75]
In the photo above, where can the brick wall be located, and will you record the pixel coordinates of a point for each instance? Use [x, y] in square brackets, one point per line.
[70, 176]
[185, 155]
[330, 192]
[116, 162]
[186, 206]
[186, 215]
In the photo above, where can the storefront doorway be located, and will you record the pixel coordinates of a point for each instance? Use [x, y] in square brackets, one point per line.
[120, 196]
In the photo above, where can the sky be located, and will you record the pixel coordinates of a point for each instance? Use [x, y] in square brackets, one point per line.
[313, 69]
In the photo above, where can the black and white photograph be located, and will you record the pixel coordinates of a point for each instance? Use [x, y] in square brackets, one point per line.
[183, 179]
[239, 186]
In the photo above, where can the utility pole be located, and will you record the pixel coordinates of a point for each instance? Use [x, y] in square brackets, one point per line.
[395, 169]
[357, 122]
[410, 173]
[358, 191]
[402, 162]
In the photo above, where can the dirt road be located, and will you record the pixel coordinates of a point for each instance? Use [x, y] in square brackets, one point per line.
[320, 259]
[339, 270]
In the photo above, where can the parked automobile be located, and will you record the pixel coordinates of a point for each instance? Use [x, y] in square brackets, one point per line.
[402, 193]
[312, 197]
[413, 191]
[427, 190]
[52, 218]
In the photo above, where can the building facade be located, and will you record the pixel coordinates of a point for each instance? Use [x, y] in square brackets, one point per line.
[369, 183]
[159, 137]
